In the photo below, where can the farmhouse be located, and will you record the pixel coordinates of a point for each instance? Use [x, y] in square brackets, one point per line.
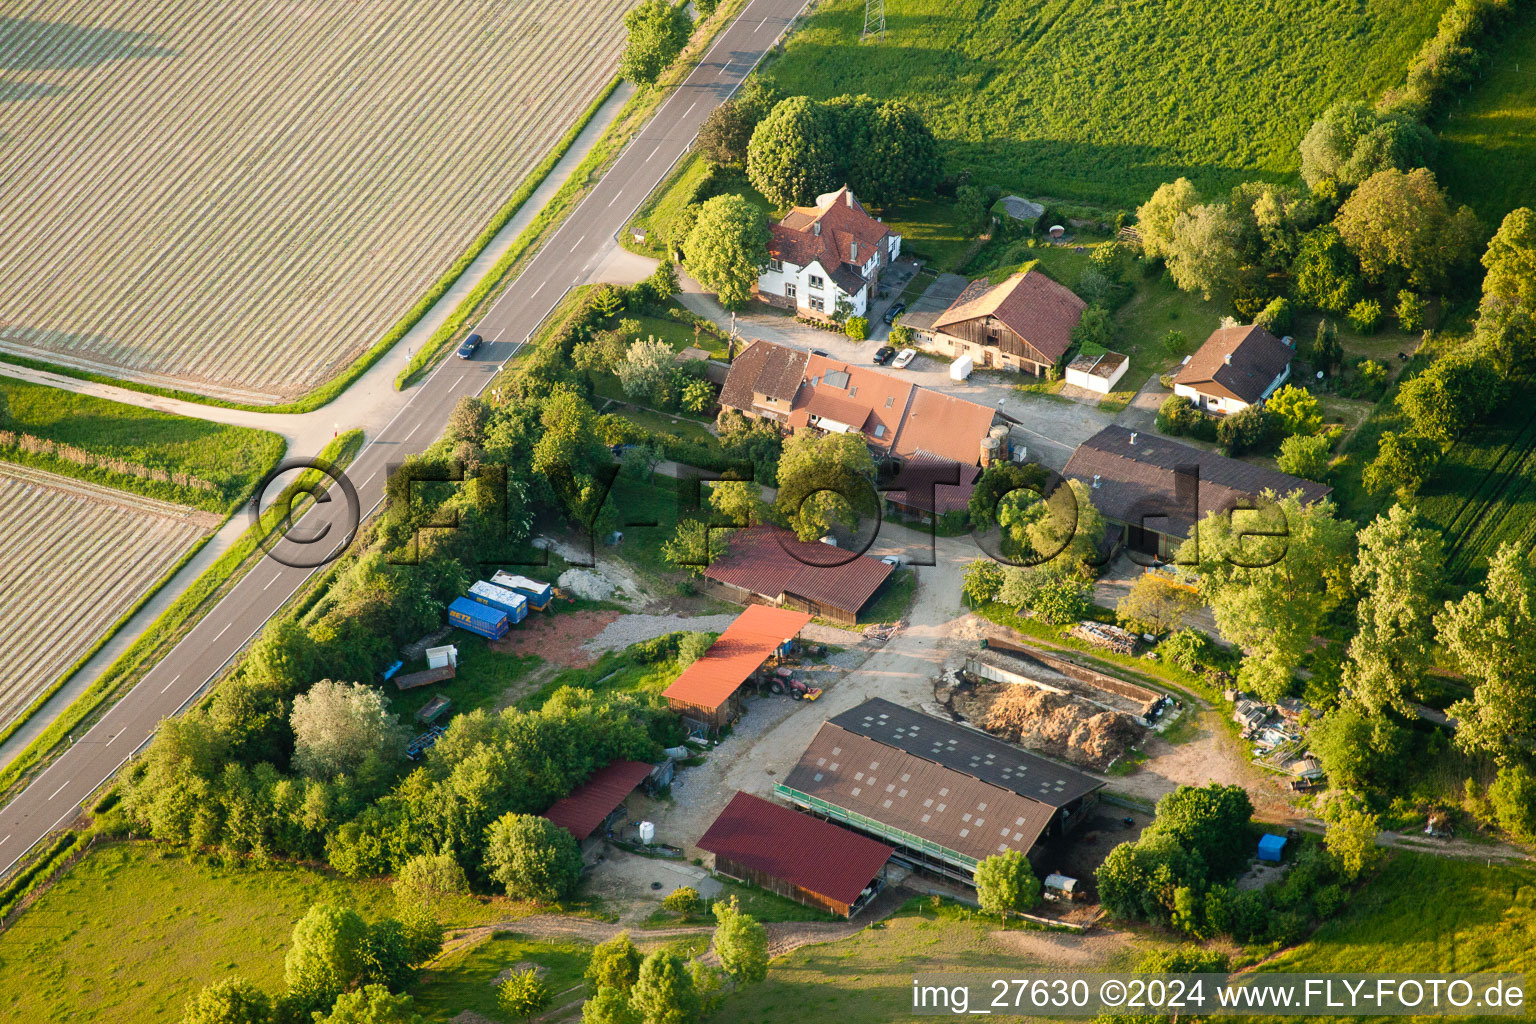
[1023, 324]
[1235, 368]
[586, 810]
[825, 255]
[1159, 489]
[709, 690]
[768, 565]
[903, 424]
[945, 796]
[796, 855]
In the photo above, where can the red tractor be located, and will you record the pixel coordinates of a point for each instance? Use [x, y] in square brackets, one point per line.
[784, 681]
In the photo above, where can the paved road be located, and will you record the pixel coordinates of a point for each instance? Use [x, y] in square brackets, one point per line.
[54, 796]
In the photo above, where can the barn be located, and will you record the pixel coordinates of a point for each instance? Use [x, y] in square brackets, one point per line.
[586, 809]
[768, 565]
[709, 691]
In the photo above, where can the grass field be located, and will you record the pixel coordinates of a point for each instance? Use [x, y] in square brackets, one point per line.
[484, 675]
[74, 558]
[1488, 140]
[1483, 492]
[122, 440]
[240, 201]
[1103, 100]
[467, 980]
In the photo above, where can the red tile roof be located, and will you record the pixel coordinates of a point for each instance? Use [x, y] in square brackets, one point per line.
[745, 645]
[588, 804]
[797, 848]
[771, 562]
[1237, 362]
[1030, 304]
[763, 368]
[945, 425]
[844, 224]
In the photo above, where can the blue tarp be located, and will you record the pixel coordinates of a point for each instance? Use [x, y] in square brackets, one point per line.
[1271, 847]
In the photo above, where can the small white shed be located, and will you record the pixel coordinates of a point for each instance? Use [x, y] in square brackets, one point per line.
[961, 368]
[1098, 373]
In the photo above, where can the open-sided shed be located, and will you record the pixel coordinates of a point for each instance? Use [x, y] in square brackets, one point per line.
[583, 811]
[708, 691]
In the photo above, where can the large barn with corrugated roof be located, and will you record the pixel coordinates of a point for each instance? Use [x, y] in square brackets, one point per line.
[770, 565]
[945, 796]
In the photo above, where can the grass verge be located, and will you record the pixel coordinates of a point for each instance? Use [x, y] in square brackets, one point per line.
[163, 634]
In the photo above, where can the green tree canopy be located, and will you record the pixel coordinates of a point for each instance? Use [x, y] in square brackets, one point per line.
[327, 954]
[1350, 142]
[1351, 836]
[825, 481]
[794, 154]
[1204, 254]
[231, 1001]
[1357, 750]
[1210, 819]
[372, 1004]
[1296, 409]
[1402, 463]
[1401, 227]
[615, 964]
[1156, 604]
[663, 992]
[1006, 884]
[1449, 396]
[1156, 217]
[724, 136]
[1324, 274]
[608, 1006]
[741, 943]
[1506, 321]
[339, 727]
[523, 994]
[728, 248]
[532, 857]
[657, 32]
[1398, 571]
[1306, 457]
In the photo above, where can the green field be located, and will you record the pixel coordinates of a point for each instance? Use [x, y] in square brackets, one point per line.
[483, 676]
[1103, 100]
[1488, 140]
[467, 980]
[1483, 491]
[231, 459]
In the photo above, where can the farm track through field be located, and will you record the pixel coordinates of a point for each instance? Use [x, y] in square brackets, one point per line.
[1478, 524]
[243, 199]
[74, 557]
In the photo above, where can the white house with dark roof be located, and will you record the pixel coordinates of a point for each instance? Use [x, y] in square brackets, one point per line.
[1235, 368]
[823, 255]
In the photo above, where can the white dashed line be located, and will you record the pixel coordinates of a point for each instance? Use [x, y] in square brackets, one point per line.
[170, 684]
[222, 631]
[271, 581]
[57, 791]
[690, 109]
[412, 433]
[654, 152]
[370, 478]
[5, 840]
[537, 290]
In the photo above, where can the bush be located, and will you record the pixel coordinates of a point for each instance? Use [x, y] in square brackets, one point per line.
[1276, 317]
[1513, 798]
[901, 336]
[1365, 316]
[684, 900]
[1179, 417]
[1295, 410]
[532, 857]
[1244, 431]
[1189, 649]
[1306, 456]
[856, 327]
[1411, 311]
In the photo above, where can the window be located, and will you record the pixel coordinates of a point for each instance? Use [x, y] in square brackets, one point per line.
[879, 429]
[890, 401]
[818, 305]
[777, 266]
[853, 391]
[789, 291]
[817, 281]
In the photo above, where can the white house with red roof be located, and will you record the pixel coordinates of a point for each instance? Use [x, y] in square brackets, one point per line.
[823, 255]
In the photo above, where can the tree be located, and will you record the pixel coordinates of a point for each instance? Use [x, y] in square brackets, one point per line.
[1093, 330]
[689, 547]
[523, 994]
[1212, 820]
[645, 366]
[657, 32]
[1063, 527]
[1270, 576]
[741, 943]
[1402, 463]
[1327, 353]
[1449, 396]
[608, 1006]
[698, 396]
[898, 157]
[615, 964]
[1350, 142]
[1296, 410]
[1399, 569]
[532, 857]
[1246, 430]
[793, 155]
[663, 992]
[1275, 317]
[1203, 254]
[1357, 750]
[1306, 456]
[1057, 592]
[1365, 316]
[728, 248]
[684, 900]
[327, 954]
[1156, 217]
[1488, 636]
[231, 1001]
[1006, 884]
[825, 481]
[1513, 799]
[1156, 604]
[739, 502]
[1507, 315]
[856, 327]
[1401, 226]
[1411, 310]
[339, 727]
[1351, 836]
[724, 135]
[983, 579]
[372, 1004]
[429, 878]
[1325, 275]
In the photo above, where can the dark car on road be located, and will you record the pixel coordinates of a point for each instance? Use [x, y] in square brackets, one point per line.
[471, 343]
[897, 308]
[884, 354]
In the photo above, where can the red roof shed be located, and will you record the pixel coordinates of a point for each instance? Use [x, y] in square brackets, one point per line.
[583, 810]
[707, 684]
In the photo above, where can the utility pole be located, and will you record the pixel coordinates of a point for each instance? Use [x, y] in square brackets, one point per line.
[874, 19]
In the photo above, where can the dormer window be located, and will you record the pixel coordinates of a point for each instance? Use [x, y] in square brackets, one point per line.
[890, 401]
[853, 391]
[879, 429]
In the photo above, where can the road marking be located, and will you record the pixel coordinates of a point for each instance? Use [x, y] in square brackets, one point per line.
[412, 433]
[271, 581]
[654, 152]
[760, 25]
[222, 631]
[583, 238]
[370, 478]
[170, 684]
[113, 737]
[57, 791]
[690, 109]
[616, 197]
[5, 840]
[538, 289]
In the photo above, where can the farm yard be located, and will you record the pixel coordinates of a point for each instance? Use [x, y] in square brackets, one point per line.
[1483, 492]
[1104, 101]
[74, 558]
[240, 201]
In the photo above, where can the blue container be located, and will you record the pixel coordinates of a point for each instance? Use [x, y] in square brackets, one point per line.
[478, 618]
[538, 594]
[500, 598]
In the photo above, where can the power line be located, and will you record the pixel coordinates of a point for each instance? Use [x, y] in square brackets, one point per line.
[874, 19]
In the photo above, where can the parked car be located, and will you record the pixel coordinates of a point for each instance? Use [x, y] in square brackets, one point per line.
[883, 355]
[471, 343]
[904, 357]
[897, 308]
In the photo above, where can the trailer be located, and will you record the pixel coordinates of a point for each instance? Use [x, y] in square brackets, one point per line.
[538, 594]
[503, 600]
[478, 618]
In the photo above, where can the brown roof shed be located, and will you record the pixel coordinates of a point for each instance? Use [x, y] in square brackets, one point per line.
[583, 810]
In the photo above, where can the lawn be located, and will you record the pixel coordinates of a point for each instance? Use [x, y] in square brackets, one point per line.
[1482, 493]
[132, 930]
[614, 672]
[207, 465]
[467, 980]
[299, 178]
[1103, 100]
[1488, 140]
[894, 600]
[484, 675]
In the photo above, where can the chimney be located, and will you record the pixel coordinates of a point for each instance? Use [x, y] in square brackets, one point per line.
[849, 193]
[816, 229]
[1133, 437]
[1227, 358]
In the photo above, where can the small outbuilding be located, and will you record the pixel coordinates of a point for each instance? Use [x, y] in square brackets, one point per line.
[708, 691]
[588, 807]
[808, 860]
[1097, 372]
[1271, 848]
